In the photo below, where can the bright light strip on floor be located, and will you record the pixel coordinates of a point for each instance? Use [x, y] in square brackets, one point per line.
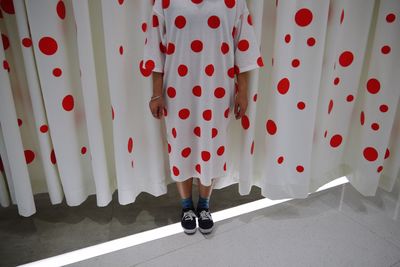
[143, 237]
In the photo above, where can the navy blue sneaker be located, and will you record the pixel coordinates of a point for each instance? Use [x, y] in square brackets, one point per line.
[188, 220]
[206, 223]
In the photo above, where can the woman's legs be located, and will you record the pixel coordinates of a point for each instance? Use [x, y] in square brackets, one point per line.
[205, 191]
[185, 188]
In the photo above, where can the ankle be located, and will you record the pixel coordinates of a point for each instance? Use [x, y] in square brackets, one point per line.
[203, 202]
[187, 202]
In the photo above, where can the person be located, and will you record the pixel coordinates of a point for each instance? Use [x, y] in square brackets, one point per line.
[193, 51]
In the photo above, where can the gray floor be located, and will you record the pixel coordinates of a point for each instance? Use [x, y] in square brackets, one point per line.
[56, 229]
[335, 227]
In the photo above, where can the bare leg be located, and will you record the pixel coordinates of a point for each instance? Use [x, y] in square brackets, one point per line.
[205, 191]
[185, 188]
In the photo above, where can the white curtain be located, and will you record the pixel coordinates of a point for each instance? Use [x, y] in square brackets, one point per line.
[74, 108]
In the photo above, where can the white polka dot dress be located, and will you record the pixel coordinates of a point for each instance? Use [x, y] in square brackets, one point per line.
[199, 45]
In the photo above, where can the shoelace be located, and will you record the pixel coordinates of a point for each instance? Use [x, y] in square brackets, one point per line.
[205, 215]
[188, 215]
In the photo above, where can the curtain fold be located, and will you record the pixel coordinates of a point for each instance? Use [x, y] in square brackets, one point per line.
[75, 119]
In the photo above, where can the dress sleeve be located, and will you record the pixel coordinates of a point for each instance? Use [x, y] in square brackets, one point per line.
[155, 42]
[246, 47]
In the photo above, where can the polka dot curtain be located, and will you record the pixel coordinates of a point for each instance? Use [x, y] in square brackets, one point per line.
[74, 101]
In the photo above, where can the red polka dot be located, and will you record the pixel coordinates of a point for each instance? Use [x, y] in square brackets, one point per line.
[370, 153]
[311, 41]
[341, 16]
[121, 49]
[336, 140]
[145, 72]
[44, 128]
[130, 145]
[299, 168]
[249, 19]
[387, 153]
[230, 3]
[283, 86]
[57, 72]
[53, 157]
[165, 4]
[149, 65]
[255, 97]
[207, 114]
[224, 48]
[234, 30]
[7, 6]
[287, 38]
[220, 150]
[170, 49]
[224, 166]
[83, 150]
[175, 170]
[301, 105]
[346, 58]
[196, 46]
[295, 63]
[231, 72]
[260, 61]
[383, 108]
[336, 81]
[6, 41]
[213, 22]
[184, 113]
[252, 148]
[303, 17]
[380, 168]
[205, 155]
[373, 86]
[198, 168]
[29, 156]
[182, 70]
[390, 17]
[68, 103]
[120, 2]
[61, 9]
[280, 159]
[27, 42]
[209, 69]
[245, 122]
[214, 132]
[362, 118]
[48, 45]
[349, 98]
[186, 152]
[180, 22]
[6, 66]
[271, 127]
[144, 27]
[219, 92]
[171, 92]
[112, 113]
[173, 132]
[226, 112]
[375, 126]
[169, 148]
[243, 45]
[330, 106]
[197, 131]
[196, 90]
[385, 49]
[155, 21]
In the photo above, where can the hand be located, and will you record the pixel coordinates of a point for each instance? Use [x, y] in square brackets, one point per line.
[157, 107]
[240, 104]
